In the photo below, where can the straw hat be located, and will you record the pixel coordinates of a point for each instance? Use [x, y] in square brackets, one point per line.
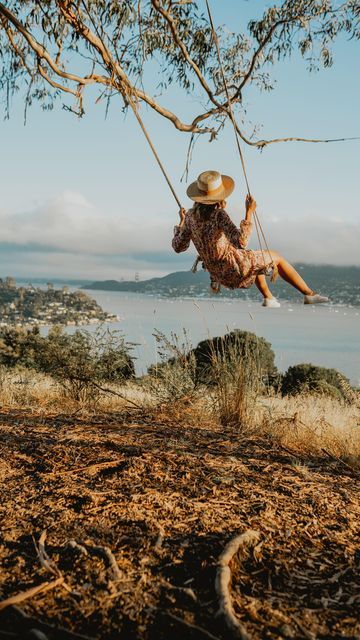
[210, 187]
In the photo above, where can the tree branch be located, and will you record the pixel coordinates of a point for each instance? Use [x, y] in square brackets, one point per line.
[169, 115]
[171, 22]
[115, 77]
[257, 54]
[55, 84]
[124, 84]
[14, 45]
[43, 54]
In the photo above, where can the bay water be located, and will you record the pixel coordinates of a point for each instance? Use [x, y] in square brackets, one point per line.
[325, 335]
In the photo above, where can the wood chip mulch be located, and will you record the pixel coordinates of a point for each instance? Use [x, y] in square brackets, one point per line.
[119, 520]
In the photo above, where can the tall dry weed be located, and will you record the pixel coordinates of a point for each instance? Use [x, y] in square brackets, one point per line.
[173, 377]
[237, 381]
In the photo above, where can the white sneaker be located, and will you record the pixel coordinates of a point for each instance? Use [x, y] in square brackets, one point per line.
[315, 298]
[272, 303]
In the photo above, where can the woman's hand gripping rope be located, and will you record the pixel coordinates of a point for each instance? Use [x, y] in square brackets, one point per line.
[250, 206]
[182, 214]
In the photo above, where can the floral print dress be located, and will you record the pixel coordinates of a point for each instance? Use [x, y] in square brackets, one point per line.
[222, 248]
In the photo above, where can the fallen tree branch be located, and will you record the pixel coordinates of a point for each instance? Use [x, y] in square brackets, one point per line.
[78, 547]
[48, 564]
[37, 635]
[332, 456]
[223, 579]
[91, 469]
[106, 553]
[30, 593]
[160, 538]
[45, 560]
[116, 393]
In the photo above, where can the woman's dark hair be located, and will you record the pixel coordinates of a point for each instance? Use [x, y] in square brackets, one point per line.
[205, 211]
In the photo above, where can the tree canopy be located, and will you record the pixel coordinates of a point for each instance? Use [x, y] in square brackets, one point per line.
[52, 49]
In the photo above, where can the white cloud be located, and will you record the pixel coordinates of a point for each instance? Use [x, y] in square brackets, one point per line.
[316, 239]
[70, 236]
[70, 222]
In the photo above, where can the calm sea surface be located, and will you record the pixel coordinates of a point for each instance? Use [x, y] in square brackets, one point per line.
[323, 335]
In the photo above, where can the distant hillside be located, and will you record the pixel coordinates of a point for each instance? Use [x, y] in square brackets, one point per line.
[342, 284]
[177, 279]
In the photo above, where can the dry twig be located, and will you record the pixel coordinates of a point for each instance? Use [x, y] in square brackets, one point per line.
[45, 560]
[30, 593]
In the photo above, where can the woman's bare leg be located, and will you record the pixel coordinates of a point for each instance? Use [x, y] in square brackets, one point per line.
[290, 275]
[263, 287]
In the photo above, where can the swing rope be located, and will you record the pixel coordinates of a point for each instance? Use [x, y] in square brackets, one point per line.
[127, 91]
[258, 227]
[156, 155]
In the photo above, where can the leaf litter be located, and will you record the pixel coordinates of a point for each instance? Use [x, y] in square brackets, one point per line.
[124, 517]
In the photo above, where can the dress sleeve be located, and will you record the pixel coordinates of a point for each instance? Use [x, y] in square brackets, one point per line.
[237, 237]
[245, 233]
[182, 237]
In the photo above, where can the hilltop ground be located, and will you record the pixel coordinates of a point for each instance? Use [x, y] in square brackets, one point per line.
[137, 508]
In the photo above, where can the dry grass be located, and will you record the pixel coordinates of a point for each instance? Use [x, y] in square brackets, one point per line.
[312, 424]
[156, 493]
[307, 424]
[20, 387]
[27, 388]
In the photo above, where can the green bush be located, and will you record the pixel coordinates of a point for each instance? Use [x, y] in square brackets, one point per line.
[81, 362]
[310, 378]
[19, 346]
[237, 346]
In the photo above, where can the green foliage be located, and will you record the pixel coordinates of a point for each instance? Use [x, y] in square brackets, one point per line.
[19, 346]
[81, 362]
[235, 347]
[302, 378]
[234, 366]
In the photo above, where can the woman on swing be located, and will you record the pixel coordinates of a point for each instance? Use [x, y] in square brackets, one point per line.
[222, 246]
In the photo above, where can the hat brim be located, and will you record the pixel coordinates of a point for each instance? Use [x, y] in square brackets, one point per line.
[223, 192]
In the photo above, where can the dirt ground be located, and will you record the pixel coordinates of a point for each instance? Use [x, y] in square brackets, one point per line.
[136, 509]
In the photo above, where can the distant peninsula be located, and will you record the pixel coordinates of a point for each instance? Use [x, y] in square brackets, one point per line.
[35, 306]
[341, 283]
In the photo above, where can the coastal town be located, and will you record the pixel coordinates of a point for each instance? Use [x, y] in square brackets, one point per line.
[33, 306]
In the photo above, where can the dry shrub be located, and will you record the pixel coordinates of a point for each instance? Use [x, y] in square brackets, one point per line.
[311, 424]
[173, 377]
[237, 384]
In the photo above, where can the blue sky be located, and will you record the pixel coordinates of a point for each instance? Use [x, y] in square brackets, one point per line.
[84, 198]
